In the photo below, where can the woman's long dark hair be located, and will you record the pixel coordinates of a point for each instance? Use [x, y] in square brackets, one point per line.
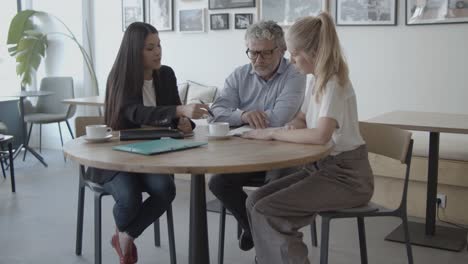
[126, 76]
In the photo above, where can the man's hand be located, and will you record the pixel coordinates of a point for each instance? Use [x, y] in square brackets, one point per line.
[184, 125]
[255, 119]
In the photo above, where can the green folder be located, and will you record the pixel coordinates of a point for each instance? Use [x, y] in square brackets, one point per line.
[159, 146]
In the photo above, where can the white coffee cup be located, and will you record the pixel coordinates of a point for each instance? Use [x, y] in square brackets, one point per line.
[218, 129]
[98, 131]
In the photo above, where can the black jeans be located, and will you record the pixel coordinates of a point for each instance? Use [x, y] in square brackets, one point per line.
[131, 214]
[228, 189]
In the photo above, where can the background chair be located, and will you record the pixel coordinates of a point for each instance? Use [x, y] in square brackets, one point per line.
[383, 140]
[3, 130]
[50, 109]
[6, 154]
[80, 129]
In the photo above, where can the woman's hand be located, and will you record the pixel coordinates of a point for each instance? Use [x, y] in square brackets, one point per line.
[194, 111]
[296, 123]
[263, 134]
[184, 125]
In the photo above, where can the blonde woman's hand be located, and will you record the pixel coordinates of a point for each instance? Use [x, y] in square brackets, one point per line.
[294, 124]
[184, 125]
[194, 111]
[263, 134]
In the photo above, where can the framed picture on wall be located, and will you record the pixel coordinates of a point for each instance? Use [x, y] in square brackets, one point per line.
[366, 13]
[132, 11]
[225, 4]
[192, 20]
[219, 21]
[426, 12]
[243, 21]
[287, 12]
[159, 14]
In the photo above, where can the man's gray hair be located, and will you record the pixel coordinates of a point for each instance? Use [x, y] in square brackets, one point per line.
[269, 30]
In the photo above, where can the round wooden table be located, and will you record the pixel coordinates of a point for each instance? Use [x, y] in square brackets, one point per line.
[222, 156]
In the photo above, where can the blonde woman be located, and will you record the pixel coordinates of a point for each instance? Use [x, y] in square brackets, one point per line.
[344, 179]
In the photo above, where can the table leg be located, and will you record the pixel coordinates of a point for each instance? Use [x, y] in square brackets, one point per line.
[432, 179]
[12, 167]
[428, 235]
[198, 237]
[25, 141]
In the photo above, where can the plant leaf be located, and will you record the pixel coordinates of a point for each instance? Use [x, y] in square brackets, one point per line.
[19, 24]
[30, 52]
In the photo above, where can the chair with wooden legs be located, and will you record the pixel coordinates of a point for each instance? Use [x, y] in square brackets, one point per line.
[393, 143]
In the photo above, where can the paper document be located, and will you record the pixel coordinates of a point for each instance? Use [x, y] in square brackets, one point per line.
[238, 131]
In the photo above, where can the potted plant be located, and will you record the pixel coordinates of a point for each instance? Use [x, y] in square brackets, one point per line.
[27, 42]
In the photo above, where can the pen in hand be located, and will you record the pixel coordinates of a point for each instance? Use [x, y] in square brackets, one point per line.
[208, 109]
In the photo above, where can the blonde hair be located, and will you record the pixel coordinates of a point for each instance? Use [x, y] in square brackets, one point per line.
[317, 37]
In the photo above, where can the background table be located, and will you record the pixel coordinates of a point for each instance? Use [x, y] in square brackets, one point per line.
[434, 123]
[89, 101]
[234, 155]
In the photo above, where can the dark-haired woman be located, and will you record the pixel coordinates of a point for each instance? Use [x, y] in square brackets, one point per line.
[141, 92]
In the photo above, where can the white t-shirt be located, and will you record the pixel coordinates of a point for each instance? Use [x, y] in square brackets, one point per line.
[338, 103]
[149, 97]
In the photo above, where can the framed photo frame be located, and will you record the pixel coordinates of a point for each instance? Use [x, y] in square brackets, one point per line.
[366, 13]
[226, 4]
[429, 12]
[219, 21]
[192, 20]
[242, 21]
[287, 12]
[132, 11]
[159, 13]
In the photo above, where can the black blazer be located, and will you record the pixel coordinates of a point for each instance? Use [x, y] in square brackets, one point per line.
[136, 114]
[167, 98]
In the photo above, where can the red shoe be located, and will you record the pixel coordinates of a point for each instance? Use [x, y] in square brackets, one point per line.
[131, 255]
[116, 245]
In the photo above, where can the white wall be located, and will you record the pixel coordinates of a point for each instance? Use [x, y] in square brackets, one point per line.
[63, 58]
[423, 68]
[205, 57]
[394, 67]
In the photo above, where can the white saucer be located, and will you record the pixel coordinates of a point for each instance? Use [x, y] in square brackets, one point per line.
[97, 140]
[219, 137]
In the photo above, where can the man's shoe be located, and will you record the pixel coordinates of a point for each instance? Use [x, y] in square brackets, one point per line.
[246, 241]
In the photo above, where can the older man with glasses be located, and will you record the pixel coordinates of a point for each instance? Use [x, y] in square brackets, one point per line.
[267, 92]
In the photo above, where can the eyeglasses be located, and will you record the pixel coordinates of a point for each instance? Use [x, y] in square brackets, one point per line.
[266, 54]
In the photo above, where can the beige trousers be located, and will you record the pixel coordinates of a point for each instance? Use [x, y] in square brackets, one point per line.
[279, 209]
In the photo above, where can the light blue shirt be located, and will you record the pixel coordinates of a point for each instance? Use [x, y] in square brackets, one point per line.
[244, 90]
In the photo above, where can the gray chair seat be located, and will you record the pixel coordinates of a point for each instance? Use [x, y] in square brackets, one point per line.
[44, 118]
